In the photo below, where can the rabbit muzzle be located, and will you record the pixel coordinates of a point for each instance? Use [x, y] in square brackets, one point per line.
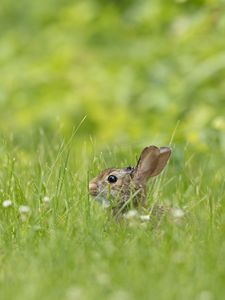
[93, 189]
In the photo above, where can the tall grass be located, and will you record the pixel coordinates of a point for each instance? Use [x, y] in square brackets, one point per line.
[137, 70]
[68, 247]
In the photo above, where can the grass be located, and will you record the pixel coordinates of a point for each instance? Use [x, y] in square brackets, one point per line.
[137, 69]
[69, 247]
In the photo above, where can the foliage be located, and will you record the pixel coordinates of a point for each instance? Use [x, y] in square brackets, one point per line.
[131, 67]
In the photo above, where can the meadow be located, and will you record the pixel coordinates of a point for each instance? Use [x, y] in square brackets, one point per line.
[85, 85]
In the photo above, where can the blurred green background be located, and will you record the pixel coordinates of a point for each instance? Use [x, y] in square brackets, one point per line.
[137, 69]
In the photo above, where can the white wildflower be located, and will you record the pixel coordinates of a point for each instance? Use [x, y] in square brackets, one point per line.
[24, 209]
[177, 212]
[130, 214]
[145, 218]
[46, 199]
[7, 203]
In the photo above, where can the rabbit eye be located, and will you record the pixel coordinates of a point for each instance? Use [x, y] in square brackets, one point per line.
[112, 179]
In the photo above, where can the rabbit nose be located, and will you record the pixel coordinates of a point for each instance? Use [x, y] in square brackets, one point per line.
[92, 186]
[93, 189]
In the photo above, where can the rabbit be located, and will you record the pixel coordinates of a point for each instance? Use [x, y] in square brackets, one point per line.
[124, 188]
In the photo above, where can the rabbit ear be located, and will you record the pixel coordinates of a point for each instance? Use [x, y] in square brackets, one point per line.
[151, 162]
[164, 156]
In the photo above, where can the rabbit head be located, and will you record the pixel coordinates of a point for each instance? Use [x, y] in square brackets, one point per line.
[118, 187]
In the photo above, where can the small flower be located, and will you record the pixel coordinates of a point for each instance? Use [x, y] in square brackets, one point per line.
[46, 199]
[24, 212]
[24, 209]
[7, 203]
[130, 214]
[145, 218]
[177, 212]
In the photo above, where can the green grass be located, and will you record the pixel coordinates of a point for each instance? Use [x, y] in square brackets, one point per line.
[70, 248]
[141, 72]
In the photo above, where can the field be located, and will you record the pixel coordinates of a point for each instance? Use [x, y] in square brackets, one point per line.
[86, 85]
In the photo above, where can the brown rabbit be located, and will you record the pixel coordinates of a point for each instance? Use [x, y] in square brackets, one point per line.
[124, 188]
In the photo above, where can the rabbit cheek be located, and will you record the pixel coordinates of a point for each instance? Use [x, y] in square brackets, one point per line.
[121, 190]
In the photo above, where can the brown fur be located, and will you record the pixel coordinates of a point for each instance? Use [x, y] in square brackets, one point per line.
[130, 189]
